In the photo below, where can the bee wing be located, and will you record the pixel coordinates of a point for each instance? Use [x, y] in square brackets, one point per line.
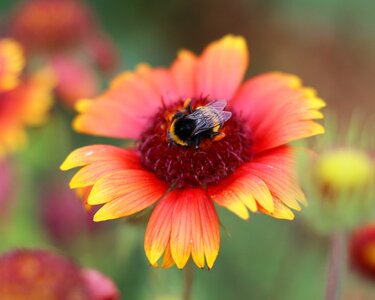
[218, 104]
[206, 120]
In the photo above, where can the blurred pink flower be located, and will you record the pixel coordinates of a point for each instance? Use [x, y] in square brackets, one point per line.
[103, 52]
[63, 215]
[99, 286]
[75, 79]
[42, 275]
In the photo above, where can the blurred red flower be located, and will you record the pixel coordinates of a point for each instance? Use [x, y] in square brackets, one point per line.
[66, 35]
[63, 215]
[362, 251]
[42, 275]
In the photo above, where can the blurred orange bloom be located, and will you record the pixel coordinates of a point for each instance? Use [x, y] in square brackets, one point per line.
[22, 102]
[249, 169]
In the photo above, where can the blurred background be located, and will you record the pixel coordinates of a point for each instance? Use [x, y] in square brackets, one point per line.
[330, 44]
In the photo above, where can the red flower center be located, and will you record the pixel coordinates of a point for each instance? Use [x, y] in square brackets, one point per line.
[183, 166]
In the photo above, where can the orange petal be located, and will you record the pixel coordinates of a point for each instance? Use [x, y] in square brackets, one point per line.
[242, 191]
[188, 220]
[125, 193]
[222, 67]
[159, 228]
[183, 71]
[126, 185]
[124, 110]
[91, 173]
[11, 63]
[181, 235]
[167, 259]
[210, 228]
[278, 110]
[100, 154]
[276, 168]
[195, 229]
[280, 211]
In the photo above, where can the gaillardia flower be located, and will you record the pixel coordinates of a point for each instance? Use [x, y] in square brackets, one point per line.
[23, 102]
[43, 275]
[66, 36]
[51, 25]
[242, 164]
[362, 251]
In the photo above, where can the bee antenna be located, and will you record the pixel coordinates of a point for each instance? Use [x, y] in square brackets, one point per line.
[163, 102]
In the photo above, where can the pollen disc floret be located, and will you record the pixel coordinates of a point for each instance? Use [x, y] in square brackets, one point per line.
[187, 166]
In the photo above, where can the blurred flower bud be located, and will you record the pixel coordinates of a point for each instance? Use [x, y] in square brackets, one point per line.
[75, 79]
[99, 286]
[40, 275]
[344, 170]
[103, 52]
[362, 251]
[64, 216]
[340, 185]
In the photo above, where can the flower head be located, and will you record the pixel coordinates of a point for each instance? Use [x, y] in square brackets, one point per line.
[362, 251]
[241, 161]
[25, 103]
[39, 275]
[99, 286]
[341, 184]
[50, 25]
[75, 79]
[35, 275]
[344, 169]
[63, 215]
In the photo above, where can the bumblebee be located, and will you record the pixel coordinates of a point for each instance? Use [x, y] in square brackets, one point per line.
[189, 126]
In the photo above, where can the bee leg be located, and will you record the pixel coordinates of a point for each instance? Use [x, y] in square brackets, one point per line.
[188, 106]
[217, 136]
[197, 142]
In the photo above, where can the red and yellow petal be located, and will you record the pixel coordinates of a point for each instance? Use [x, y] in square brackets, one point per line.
[186, 221]
[241, 192]
[11, 63]
[159, 228]
[183, 72]
[125, 193]
[267, 184]
[221, 67]
[100, 154]
[98, 161]
[124, 110]
[278, 110]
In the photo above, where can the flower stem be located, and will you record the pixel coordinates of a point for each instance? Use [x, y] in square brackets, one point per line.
[336, 266]
[188, 282]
